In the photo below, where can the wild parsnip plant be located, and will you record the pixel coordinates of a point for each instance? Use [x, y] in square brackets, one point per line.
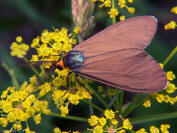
[18, 104]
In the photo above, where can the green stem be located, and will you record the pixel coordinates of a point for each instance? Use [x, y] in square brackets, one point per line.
[149, 118]
[117, 100]
[94, 106]
[95, 93]
[130, 106]
[121, 101]
[137, 105]
[111, 99]
[34, 69]
[113, 6]
[12, 75]
[75, 118]
[170, 56]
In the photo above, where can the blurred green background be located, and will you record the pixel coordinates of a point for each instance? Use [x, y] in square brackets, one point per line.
[29, 18]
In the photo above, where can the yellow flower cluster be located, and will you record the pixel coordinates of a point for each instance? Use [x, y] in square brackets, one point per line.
[108, 123]
[57, 130]
[51, 44]
[163, 128]
[164, 96]
[18, 106]
[62, 98]
[172, 25]
[113, 12]
[18, 48]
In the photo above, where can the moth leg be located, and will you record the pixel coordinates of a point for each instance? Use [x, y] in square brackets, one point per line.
[81, 84]
[67, 83]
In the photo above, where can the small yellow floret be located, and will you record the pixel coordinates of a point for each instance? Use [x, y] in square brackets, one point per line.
[109, 114]
[64, 110]
[147, 103]
[57, 130]
[113, 13]
[170, 75]
[127, 124]
[37, 118]
[131, 10]
[174, 10]
[171, 88]
[76, 30]
[93, 120]
[102, 121]
[170, 25]
[122, 17]
[3, 121]
[107, 3]
[142, 130]
[19, 39]
[154, 129]
[164, 128]
[98, 129]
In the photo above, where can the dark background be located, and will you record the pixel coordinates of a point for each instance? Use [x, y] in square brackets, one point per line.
[29, 18]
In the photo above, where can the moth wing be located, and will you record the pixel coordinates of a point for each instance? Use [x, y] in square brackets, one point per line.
[132, 70]
[136, 32]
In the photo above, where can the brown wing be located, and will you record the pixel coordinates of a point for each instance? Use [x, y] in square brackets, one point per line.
[136, 32]
[132, 70]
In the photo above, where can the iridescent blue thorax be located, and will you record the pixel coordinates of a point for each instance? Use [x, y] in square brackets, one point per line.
[74, 60]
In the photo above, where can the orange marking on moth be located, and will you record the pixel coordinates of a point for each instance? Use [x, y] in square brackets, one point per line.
[60, 63]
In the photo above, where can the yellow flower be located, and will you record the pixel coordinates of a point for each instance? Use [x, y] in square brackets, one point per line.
[170, 25]
[174, 10]
[35, 42]
[76, 30]
[109, 114]
[37, 118]
[131, 10]
[76, 132]
[93, 120]
[170, 75]
[107, 3]
[57, 130]
[3, 121]
[127, 124]
[98, 129]
[102, 121]
[130, 1]
[167, 98]
[122, 17]
[164, 128]
[142, 130]
[113, 13]
[154, 129]
[147, 103]
[170, 88]
[122, 3]
[17, 126]
[29, 131]
[64, 110]
[19, 39]
[114, 121]
[74, 99]
[45, 88]
[159, 98]
[19, 50]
